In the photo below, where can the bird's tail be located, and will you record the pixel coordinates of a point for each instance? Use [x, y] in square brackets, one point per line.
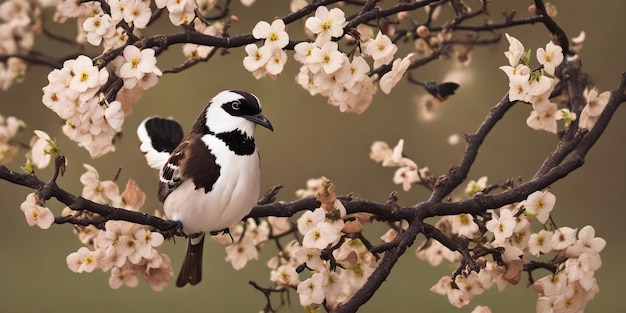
[159, 136]
[191, 272]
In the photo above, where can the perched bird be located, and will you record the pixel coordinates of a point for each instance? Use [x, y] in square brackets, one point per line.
[209, 179]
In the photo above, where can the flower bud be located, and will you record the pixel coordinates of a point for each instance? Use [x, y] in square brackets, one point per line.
[422, 31]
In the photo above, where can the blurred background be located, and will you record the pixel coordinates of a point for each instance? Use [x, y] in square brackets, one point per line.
[312, 139]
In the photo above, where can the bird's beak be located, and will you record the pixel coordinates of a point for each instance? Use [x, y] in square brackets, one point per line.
[260, 119]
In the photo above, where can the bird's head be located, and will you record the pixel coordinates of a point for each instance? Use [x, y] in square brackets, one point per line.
[235, 109]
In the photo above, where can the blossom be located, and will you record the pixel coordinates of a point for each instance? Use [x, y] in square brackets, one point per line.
[83, 260]
[352, 72]
[596, 102]
[406, 176]
[330, 58]
[285, 276]
[582, 268]
[566, 115]
[145, 240]
[310, 256]
[35, 213]
[464, 225]
[276, 62]
[137, 12]
[114, 115]
[595, 105]
[519, 70]
[96, 190]
[381, 49]
[587, 242]
[309, 219]
[540, 242]
[85, 74]
[550, 57]
[516, 49]
[304, 54]
[502, 227]
[543, 117]
[98, 27]
[238, 254]
[42, 149]
[136, 65]
[380, 152]
[475, 186]
[519, 87]
[310, 291]
[321, 235]
[116, 40]
[275, 35]
[123, 276]
[540, 204]
[456, 297]
[257, 57]
[326, 23]
[563, 237]
[158, 277]
[391, 78]
[540, 87]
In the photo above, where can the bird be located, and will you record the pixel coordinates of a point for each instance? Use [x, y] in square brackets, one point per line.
[209, 179]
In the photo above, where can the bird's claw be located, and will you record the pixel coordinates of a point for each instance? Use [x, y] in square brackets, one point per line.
[176, 230]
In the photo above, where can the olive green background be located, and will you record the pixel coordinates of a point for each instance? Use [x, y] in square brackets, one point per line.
[312, 139]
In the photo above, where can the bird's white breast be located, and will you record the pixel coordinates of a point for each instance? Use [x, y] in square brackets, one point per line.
[234, 193]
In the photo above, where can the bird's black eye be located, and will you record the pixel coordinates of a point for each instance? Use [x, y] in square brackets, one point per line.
[236, 105]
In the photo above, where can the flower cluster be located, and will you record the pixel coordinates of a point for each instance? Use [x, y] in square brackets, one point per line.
[535, 87]
[9, 126]
[594, 107]
[570, 286]
[339, 263]
[36, 213]
[126, 249]
[16, 35]
[573, 284]
[270, 58]
[137, 68]
[72, 93]
[344, 79]
[407, 173]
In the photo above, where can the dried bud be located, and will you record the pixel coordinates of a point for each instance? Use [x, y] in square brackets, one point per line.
[133, 196]
[351, 259]
[513, 271]
[327, 196]
[352, 227]
[481, 262]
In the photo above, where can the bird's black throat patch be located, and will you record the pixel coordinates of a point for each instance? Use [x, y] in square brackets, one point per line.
[238, 142]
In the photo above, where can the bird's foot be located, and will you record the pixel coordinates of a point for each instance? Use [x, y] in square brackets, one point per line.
[175, 231]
